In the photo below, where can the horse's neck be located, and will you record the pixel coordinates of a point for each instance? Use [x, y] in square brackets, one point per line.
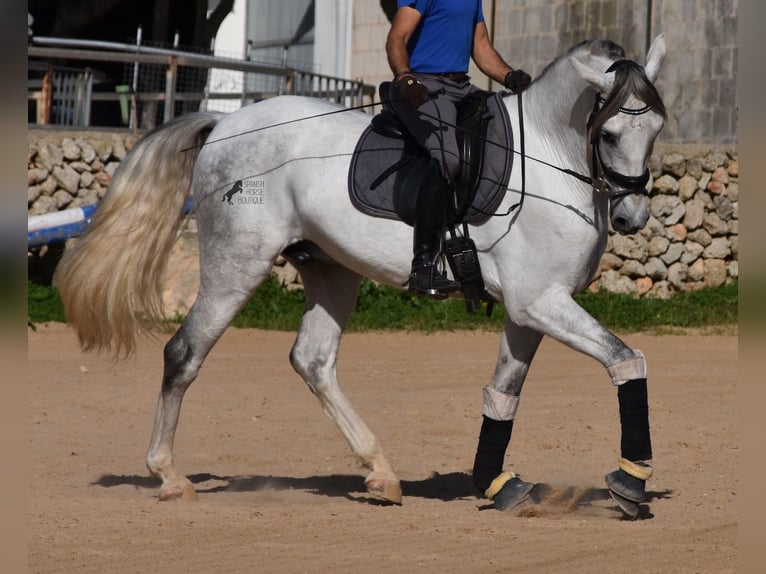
[556, 108]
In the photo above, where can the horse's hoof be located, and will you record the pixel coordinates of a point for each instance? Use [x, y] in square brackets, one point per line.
[184, 492]
[627, 485]
[507, 491]
[385, 489]
[629, 507]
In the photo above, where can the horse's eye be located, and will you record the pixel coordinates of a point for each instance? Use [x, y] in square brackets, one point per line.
[608, 137]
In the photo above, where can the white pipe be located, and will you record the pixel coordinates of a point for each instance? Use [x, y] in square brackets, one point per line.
[57, 218]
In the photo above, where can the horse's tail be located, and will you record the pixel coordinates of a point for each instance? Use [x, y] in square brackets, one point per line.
[110, 280]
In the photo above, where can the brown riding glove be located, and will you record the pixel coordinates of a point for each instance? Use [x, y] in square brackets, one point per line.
[412, 91]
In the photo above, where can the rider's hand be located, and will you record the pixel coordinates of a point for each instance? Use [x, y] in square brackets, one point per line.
[412, 91]
[517, 81]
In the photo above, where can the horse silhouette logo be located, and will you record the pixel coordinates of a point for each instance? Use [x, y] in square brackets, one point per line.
[236, 188]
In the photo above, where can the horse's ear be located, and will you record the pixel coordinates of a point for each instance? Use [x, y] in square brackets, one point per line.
[654, 58]
[596, 78]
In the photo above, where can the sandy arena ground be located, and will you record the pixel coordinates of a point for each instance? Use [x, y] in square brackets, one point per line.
[280, 492]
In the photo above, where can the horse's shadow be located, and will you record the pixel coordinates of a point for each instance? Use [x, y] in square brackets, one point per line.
[445, 487]
[544, 500]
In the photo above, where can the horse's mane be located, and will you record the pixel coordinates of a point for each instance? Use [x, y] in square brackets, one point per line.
[597, 47]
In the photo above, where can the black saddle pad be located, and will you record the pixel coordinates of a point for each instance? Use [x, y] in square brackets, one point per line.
[381, 164]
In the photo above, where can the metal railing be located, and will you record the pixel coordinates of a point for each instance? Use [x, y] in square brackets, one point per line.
[161, 83]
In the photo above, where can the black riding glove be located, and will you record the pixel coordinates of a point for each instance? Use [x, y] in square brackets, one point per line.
[517, 81]
[412, 91]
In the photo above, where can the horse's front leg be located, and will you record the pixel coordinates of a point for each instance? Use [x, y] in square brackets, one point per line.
[555, 313]
[501, 400]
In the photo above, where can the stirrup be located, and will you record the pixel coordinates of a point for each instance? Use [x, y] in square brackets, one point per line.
[425, 279]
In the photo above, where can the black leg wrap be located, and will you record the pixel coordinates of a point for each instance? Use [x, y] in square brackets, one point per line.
[636, 443]
[490, 453]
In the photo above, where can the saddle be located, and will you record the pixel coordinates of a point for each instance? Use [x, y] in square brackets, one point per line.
[388, 166]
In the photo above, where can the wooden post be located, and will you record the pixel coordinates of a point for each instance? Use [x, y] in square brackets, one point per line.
[44, 109]
[171, 75]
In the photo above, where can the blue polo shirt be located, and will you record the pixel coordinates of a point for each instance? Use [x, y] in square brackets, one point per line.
[443, 40]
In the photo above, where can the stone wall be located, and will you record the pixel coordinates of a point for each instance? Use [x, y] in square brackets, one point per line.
[691, 240]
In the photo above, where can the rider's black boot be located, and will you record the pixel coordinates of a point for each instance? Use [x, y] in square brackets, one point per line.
[430, 213]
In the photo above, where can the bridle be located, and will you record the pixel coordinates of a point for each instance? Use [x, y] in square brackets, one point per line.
[628, 184]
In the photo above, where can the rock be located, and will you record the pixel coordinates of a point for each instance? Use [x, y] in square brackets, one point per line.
[79, 166]
[67, 178]
[658, 245]
[719, 248]
[609, 261]
[715, 187]
[694, 167]
[630, 247]
[111, 168]
[734, 240]
[715, 272]
[721, 175]
[660, 290]
[697, 270]
[656, 269]
[643, 285]
[668, 209]
[49, 156]
[62, 199]
[713, 160]
[32, 194]
[733, 269]
[677, 274]
[86, 179]
[613, 282]
[103, 178]
[633, 269]
[48, 186]
[666, 185]
[723, 207]
[675, 164]
[673, 253]
[36, 175]
[43, 204]
[118, 148]
[677, 232]
[732, 191]
[695, 212]
[700, 236]
[655, 165]
[103, 150]
[692, 252]
[87, 151]
[714, 225]
[70, 149]
[733, 168]
[687, 186]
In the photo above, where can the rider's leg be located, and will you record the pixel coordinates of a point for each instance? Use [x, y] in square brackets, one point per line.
[430, 215]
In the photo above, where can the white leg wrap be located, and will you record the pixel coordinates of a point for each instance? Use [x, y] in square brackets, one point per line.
[625, 371]
[499, 406]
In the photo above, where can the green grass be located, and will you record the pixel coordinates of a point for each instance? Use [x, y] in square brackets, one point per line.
[384, 308]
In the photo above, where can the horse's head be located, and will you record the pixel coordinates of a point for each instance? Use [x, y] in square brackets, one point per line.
[627, 116]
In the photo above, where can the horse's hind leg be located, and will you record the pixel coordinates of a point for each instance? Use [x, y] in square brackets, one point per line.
[331, 292]
[501, 400]
[216, 305]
